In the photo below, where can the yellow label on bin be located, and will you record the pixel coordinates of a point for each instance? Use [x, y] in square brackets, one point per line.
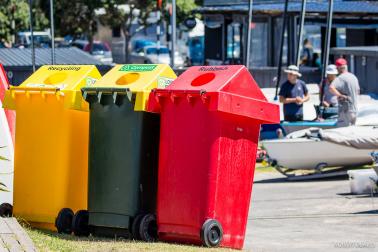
[139, 79]
[64, 80]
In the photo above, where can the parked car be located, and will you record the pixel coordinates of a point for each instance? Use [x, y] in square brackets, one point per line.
[100, 50]
[41, 39]
[139, 44]
[151, 54]
[196, 50]
[62, 43]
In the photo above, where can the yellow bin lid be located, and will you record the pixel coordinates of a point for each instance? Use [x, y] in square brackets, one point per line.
[61, 80]
[136, 78]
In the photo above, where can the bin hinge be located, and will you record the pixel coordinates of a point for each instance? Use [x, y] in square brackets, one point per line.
[115, 97]
[129, 94]
[85, 94]
[99, 95]
[204, 96]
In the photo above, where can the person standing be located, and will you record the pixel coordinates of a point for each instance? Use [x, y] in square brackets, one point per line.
[293, 93]
[329, 99]
[347, 89]
[308, 53]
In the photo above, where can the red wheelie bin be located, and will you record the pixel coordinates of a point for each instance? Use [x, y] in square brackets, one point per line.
[210, 124]
[10, 114]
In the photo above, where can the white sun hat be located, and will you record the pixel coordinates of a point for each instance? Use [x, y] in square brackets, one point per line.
[331, 69]
[293, 69]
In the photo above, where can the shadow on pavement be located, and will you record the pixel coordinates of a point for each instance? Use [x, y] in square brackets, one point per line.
[368, 212]
[361, 196]
[298, 179]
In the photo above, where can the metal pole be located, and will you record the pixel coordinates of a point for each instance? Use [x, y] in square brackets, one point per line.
[52, 32]
[249, 34]
[300, 38]
[173, 39]
[327, 44]
[158, 31]
[281, 49]
[328, 38]
[32, 34]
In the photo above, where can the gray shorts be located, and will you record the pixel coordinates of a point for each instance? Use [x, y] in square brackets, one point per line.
[346, 119]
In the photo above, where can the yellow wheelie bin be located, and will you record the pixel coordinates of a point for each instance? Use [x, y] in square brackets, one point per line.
[51, 150]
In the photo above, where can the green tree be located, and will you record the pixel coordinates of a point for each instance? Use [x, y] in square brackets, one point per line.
[139, 10]
[122, 13]
[77, 18]
[14, 17]
[185, 9]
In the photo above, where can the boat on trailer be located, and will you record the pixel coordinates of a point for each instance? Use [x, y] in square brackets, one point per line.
[316, 149]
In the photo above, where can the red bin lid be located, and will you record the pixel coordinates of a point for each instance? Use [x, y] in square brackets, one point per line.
[230, 89]
[4, 84]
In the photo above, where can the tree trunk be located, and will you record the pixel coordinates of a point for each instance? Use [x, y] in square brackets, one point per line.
[126, 45]
[90, 43]
[91, 34]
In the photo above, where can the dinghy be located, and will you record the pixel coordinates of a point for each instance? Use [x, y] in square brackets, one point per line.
[316, 149]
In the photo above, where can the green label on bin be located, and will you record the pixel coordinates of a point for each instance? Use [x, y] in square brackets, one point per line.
[137, 68]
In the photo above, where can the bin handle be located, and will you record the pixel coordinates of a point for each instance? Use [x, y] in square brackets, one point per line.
[239, 105]
[35, 89]
[105, 90]
[99, 91]
[31, 91]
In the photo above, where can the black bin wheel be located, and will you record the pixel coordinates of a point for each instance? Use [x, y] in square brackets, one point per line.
[80, 225]
[211, 233]
[6, 210]
[63, 221]
[135, 226]
[148, 228]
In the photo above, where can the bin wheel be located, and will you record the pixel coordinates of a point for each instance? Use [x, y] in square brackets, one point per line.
[6, 210]
[135, 226]
[148, 228]
[80, 225]
[211, 233]
[63, 221]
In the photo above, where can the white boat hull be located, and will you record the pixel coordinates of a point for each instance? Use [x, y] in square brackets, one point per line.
[305, 153]
[6, 166]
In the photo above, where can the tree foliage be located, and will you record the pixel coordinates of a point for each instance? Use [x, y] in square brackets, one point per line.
[122, 13]
[116, 15]
[14, 17]
[77, 18]
[184, 9]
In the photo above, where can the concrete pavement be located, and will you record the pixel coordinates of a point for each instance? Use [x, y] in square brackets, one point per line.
[310, 216]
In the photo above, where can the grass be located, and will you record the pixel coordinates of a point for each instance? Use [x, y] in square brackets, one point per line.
[48, 241]
[264, 168]
[51, 241]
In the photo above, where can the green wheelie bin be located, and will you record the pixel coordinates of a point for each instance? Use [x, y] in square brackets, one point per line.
[123, 153]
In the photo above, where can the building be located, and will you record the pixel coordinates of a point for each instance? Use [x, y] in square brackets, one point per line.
[18, 62]
[355, 23]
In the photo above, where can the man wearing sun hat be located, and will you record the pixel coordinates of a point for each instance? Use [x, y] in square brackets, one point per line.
[329, 99]
[347, 89]
[293, 93]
